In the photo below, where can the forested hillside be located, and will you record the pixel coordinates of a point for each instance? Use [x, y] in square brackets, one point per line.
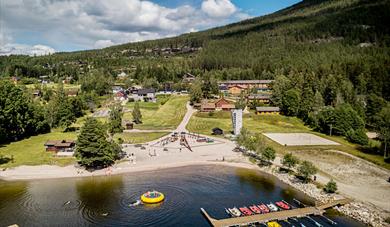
[348, 39]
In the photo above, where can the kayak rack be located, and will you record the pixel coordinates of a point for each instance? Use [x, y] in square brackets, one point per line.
[274, 216]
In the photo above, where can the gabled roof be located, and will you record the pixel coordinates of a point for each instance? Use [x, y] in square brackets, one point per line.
[267, 109]
[145, 91]
[228, 106]
[208, 105]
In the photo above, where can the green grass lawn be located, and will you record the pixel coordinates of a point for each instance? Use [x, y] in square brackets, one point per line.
[203, 123]
[139, 137]
[167, 113]
[31, 151]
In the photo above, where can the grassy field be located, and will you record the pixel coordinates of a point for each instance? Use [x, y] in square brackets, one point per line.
[203, 123]
[139, 137]
[32, 152]
[167, 113]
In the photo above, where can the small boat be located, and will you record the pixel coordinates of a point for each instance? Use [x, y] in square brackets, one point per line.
[273, 224]
[283, 205]
[302, 225]
[234, 212]
[245, 211]
[255, 209]
[272, 207]
[264, 209]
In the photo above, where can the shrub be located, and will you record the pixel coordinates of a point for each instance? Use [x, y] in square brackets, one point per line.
[330, 187]
[268, 154]
[357, 136]
[211, 114]
[306, 170]
[290, 161]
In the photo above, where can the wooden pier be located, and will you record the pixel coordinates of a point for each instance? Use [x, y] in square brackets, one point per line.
[274, 216]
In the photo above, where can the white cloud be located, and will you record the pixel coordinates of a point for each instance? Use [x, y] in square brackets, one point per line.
[103, 43]
[218, 8]
[21, 49]
[85, 24]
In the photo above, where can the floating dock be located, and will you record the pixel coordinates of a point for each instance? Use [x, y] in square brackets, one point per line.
[274, 216]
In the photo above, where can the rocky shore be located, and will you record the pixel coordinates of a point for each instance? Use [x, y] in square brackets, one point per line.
[365, 213]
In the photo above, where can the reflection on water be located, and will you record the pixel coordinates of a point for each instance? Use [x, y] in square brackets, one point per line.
[106, 201]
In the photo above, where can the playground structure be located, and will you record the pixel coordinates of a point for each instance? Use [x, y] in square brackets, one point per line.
[180, 140]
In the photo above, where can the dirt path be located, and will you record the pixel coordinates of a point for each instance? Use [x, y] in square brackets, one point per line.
[355, 177]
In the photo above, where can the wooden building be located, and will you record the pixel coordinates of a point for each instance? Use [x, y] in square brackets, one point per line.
[60, 145]
[207, 107]
[262, 85]
[236, 90]
[267, 110]
[217, 131]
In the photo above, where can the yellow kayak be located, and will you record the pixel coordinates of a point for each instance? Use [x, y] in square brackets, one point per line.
[273, 224]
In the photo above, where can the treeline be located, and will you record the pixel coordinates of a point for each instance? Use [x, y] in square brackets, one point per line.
[333, 105]
[22, 115]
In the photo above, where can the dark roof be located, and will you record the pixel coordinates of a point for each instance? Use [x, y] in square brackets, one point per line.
[60, 143]
[267, 109]
[145, 91]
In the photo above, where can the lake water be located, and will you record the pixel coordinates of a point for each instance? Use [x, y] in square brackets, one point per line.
[104, 201]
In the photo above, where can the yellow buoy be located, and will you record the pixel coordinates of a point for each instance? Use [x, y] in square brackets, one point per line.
[152, 197]
[273, 224]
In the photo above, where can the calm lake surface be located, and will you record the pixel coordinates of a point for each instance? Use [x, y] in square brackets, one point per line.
[104, 201]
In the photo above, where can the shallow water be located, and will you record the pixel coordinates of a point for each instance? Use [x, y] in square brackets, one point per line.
[104, 201]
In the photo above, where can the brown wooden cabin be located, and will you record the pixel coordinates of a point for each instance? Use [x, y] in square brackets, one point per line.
[60, 145]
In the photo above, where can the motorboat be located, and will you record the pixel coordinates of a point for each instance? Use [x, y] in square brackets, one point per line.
[264, 209]
[245, 211]
[255, 209]
[272, 207]
[234, 212]
[283, 205]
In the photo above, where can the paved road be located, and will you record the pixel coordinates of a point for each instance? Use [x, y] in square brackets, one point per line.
[186, 119]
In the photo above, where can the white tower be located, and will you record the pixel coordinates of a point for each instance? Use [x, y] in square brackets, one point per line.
[237, 121]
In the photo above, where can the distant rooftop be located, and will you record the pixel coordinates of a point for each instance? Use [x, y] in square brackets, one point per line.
[246, 82]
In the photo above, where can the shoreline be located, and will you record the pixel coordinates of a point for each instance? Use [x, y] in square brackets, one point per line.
[114, 172]
[363, 212]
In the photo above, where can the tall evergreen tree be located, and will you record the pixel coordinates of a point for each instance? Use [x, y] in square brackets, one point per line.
[137, 116]
[116, 114]
[93, 150]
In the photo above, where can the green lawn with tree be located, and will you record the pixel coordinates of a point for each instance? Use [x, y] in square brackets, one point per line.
[204, 123]
[165, 114]
[31, 151]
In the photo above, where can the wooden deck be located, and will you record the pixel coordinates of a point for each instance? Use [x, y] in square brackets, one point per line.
[273, 216]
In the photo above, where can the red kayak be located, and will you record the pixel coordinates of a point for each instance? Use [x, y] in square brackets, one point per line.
[264, 209]
[255, 209]
[283, 205]
[245, 211]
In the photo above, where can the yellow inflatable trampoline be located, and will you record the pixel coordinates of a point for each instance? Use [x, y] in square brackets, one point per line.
[152, 197]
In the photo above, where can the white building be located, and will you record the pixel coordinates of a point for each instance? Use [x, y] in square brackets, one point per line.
[237, 121]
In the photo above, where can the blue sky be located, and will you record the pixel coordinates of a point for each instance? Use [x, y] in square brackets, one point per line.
[41, 26]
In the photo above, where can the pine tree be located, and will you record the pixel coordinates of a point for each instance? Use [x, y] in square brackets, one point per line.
[115, 125]
[93, 150]
[137, 116]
